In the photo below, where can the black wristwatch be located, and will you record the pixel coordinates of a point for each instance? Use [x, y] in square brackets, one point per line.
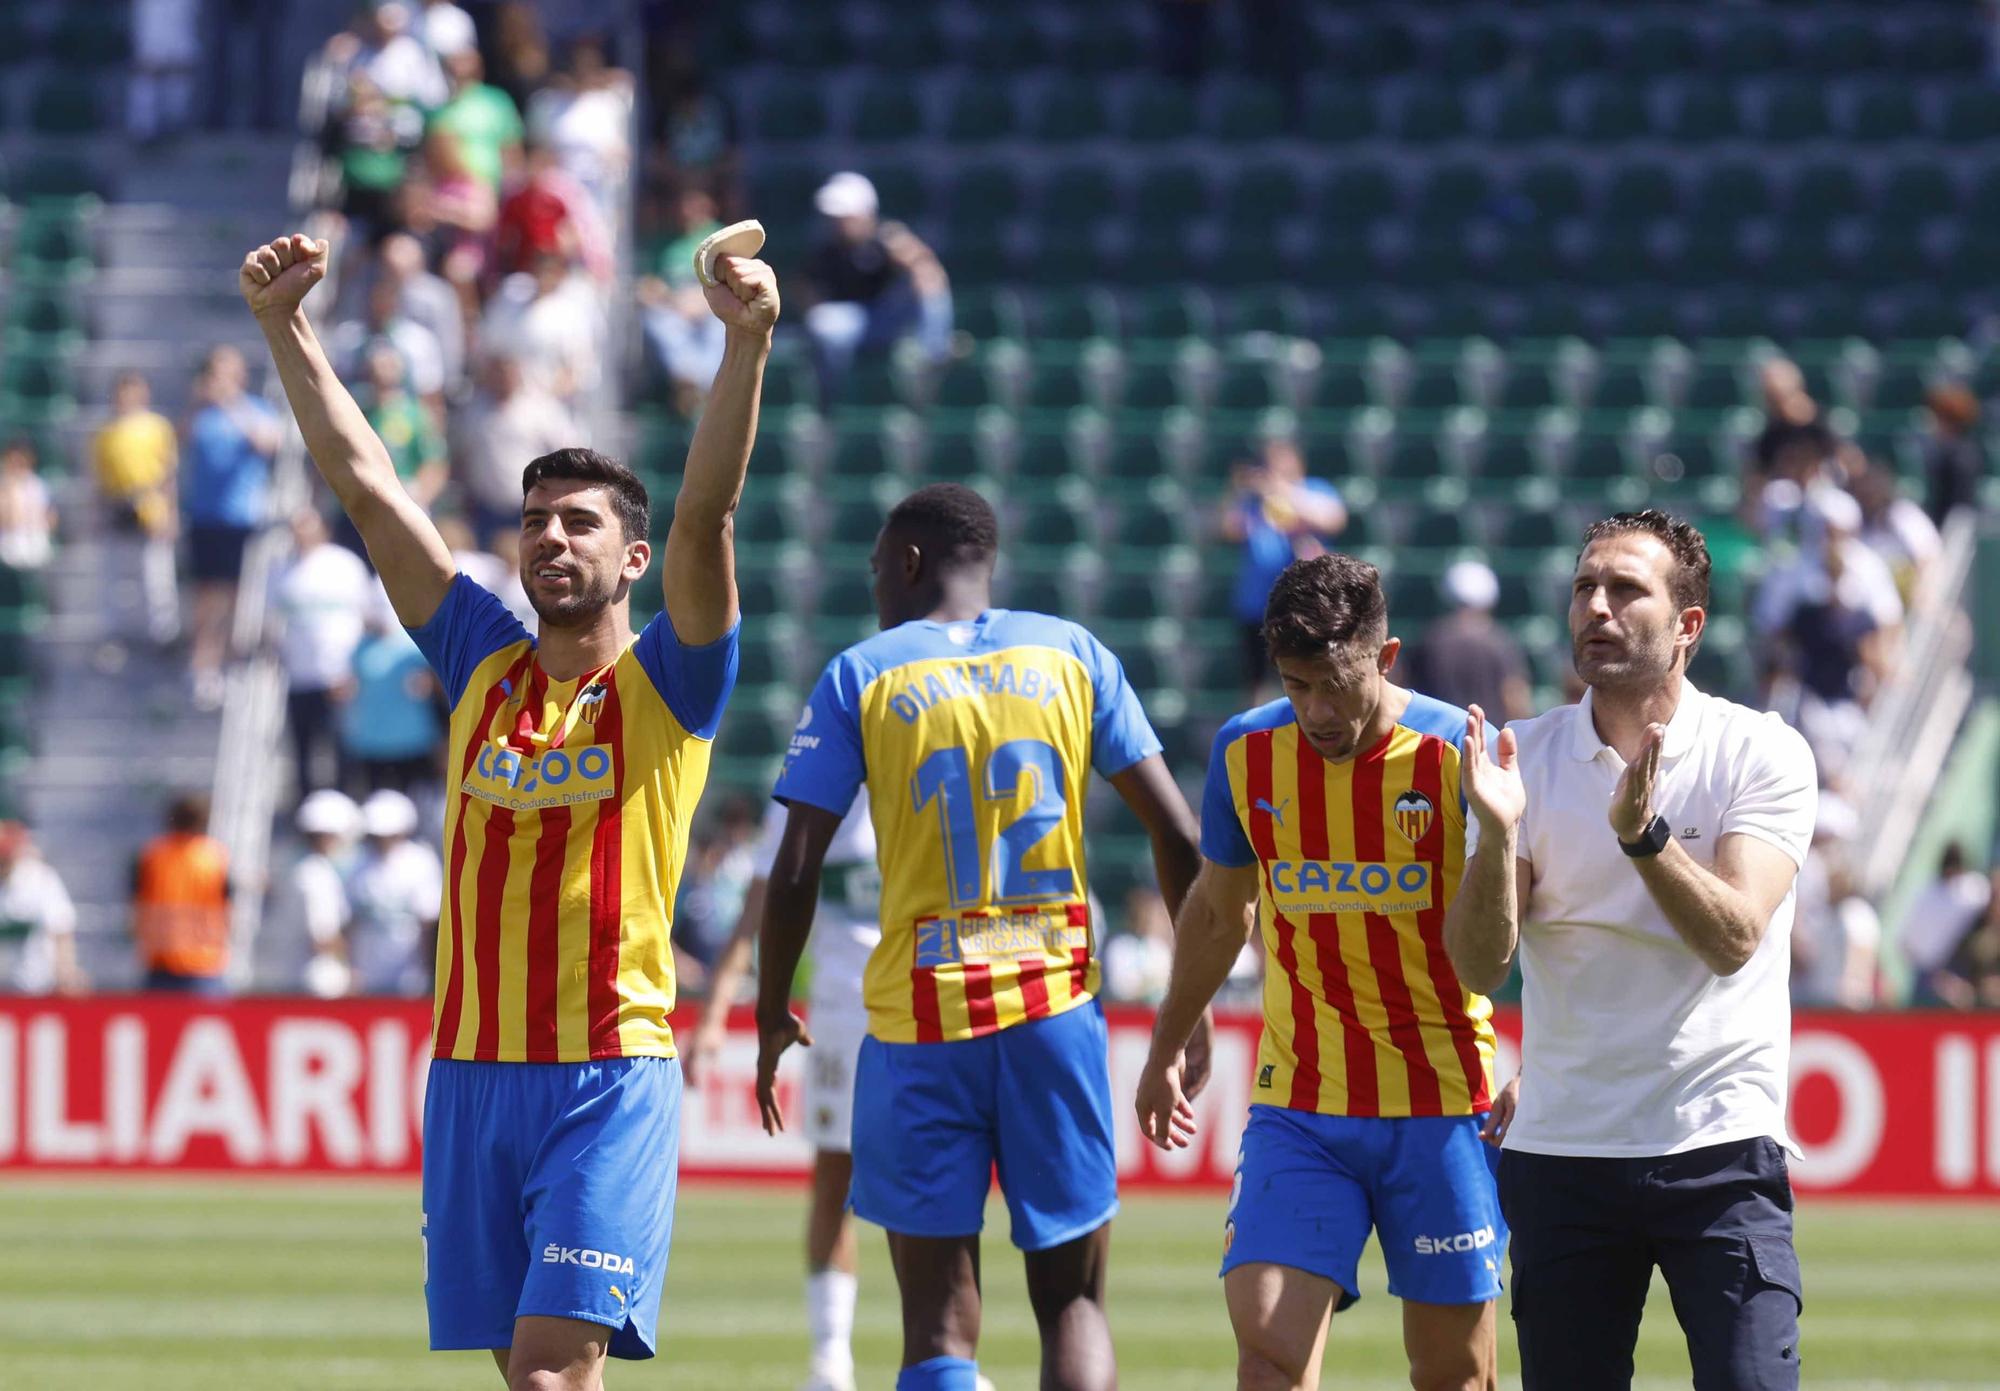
[1651, 841]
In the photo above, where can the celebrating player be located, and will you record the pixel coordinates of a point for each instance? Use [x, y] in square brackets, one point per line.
[848, 925]
[551, 1121]
[974, 730]
[1337, 810]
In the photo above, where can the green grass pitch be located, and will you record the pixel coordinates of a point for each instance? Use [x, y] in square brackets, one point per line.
[277, 1286]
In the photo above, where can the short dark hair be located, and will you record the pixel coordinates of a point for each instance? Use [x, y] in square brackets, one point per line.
[628, 494]
[950, 520]
[188, 813]
[1327, 602]
[1687, 583]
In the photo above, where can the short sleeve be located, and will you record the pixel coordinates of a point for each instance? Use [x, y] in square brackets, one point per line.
[1324, 488]
[768, 840]
[695, 682]
[825, 767]
[1222, 837]
[1777, 793]
[468, 627]
[1120, 734]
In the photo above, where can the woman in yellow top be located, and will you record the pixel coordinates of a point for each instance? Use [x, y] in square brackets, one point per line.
[136, 455]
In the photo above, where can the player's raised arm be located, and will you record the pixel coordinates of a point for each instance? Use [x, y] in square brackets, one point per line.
[415, 564]
[791, 898]
[698, 567]
[1213, 925]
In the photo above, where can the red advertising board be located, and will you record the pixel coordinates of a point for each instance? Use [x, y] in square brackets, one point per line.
[1893, 1105]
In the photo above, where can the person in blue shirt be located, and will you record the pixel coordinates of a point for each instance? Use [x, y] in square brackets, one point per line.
[391, 732]
[1279, 515]
[228, 442]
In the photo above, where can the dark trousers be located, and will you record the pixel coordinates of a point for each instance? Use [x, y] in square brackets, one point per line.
[315, 740]
[1717, 1222]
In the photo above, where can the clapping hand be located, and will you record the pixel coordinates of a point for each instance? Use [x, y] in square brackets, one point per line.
[1493, 787]
[1632, 801]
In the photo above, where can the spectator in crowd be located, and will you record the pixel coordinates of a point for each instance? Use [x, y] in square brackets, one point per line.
[548, 213]
[317, 888]
[720, 870]
[551, 321]
[446, 30]
[1971, 978]
[1836, 616]
[407, 430]
[393, 891]
[503, 546]
[136, 454]
[391, 732]
[1938, 920]
[1137, 960]
[427, 300]
[256, 30]
[227, 446]
[319, 599]
[180, 904]
[583, 113]
[37, 921]
[482, 567]
[1954, 463]
[521, 62]
[510, 421]
[1465, 658]
[700, 135]
[484, 119]
[1892, 525]
[380, 49]
[872, 283]
[1277, 515]
[685, 340]
[350, 343]
[1837, 933]
[1788, 409]
[27, 512]
[467, 210]
[374, 138]
[159, 90]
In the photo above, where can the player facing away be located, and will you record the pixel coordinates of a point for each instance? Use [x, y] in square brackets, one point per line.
[974, 730]
[551, 1117]
[846, 926]
[1334, 817]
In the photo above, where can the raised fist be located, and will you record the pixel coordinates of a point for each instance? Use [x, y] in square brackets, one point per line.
[275, 278]
[745, 295]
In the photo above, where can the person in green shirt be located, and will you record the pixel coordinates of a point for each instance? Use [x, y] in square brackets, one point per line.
[404, 426]
[483, 118]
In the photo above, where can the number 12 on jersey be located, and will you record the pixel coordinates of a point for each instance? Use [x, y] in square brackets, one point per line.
[946, 777]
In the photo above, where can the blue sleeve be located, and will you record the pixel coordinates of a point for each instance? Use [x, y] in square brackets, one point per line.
[695, 682]
[468, 627]
[825, 765]
[1120, 734]
[1320, 485]
[1222, 837]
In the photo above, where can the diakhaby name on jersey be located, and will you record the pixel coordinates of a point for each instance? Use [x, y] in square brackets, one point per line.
[1349, 886]
[554, 1254]
[961, 680]
[1008, 937]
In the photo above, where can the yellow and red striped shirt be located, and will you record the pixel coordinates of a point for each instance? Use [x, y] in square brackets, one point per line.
[1363, 1013]
[566, 828]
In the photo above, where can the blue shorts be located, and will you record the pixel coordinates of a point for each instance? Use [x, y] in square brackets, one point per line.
[1309, 1187]
[549, 1189]
[931, 1120]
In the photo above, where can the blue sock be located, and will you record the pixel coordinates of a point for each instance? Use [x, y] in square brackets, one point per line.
[939, 1374]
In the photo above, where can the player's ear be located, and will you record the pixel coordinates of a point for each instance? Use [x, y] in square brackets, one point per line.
[638, 555]
[912, 563]
[1386, 658]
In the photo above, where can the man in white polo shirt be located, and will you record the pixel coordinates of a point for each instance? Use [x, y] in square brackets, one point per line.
[1639, 849]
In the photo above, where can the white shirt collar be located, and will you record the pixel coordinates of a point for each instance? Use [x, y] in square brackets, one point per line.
[1584, 745]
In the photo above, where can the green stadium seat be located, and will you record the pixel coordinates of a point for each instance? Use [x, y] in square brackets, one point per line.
[1056, 386]
[1941, 46]
[1753, 45]
[1704, 113]
[1613, 113]
[1825, 190]
[1356, 193]
[1136, 461]
[1008, 38]
[982, 195]
[988, 312]
[811, 37]
[1918, 189]
[1883, 112]
[1373, 47]
[1713, 386]
[1553, 189]
[1431, 387]
[1077, 198]
[1660, 47]
[1249, 112]
[1794, 111]
[1105, 44]
[1429, 113]
[1528, 389]
[887, 110]
[1067, 109]
[87, 37]
[1171, 312]
[1452, 192]
[1641, 191]
[1339, 112]
[979, 109]
[1246, 386]
[1729, 190]
[1150, 387]
[1526, 112]
[1075, 314]
[963, 385]
[1170, 194]
[1534, 528]
[791, 111]
[1621, 386]
[66, 105]
[1563, 48]
[1598, 459]
[1045, 530]
[1149, 523]
[1838, 46]
[1156, 111]
[1970, 114]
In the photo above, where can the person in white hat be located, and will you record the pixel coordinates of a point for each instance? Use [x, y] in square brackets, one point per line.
[395, 889]
[1465, 658]
[873, 283]
[329, 821]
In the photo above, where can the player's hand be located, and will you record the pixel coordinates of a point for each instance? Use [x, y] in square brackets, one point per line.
[275, 277]
[1632, 800]
[698, 1050]
[745, 294]
[1502, 1114]
[772, 1041]
[1165, 1115]
[1493, 786]
[1199, 1056]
